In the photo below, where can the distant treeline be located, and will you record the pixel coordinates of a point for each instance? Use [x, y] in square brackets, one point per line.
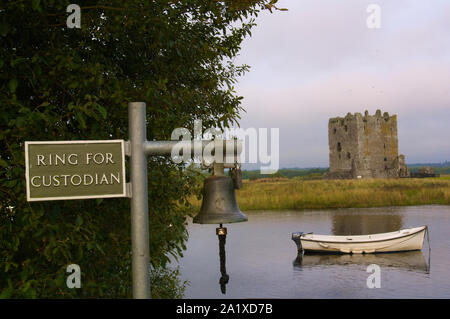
[307, 173]
[437, 169]
[445, 164]
[317, 172]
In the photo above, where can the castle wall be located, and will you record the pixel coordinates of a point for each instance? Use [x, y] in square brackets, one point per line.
[342, 143]
[365, 146]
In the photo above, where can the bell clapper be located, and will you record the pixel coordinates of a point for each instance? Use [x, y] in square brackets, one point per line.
[222, 235]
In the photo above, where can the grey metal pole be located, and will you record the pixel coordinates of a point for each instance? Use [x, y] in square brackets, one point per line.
[140, 148]
[229, 147]
[139, 201]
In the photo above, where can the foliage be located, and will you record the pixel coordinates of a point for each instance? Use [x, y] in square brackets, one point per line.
[437, 169]
[74, 84]
[166, 284]
[285, 172]
[317, 173]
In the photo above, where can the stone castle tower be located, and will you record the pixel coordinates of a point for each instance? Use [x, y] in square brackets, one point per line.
[365, 147]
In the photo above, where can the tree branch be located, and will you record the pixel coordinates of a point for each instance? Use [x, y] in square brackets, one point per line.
[87, 8]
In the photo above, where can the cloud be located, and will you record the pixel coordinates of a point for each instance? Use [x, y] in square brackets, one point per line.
[319, 60]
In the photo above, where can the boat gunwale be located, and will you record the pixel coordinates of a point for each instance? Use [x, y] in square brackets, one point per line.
[367, 241]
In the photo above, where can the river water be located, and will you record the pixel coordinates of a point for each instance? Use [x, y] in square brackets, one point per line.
[261, 258]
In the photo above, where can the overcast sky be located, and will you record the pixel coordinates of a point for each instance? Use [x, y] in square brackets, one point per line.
[320, 60]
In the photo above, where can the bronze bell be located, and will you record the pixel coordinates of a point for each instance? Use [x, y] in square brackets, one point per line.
[219, 205]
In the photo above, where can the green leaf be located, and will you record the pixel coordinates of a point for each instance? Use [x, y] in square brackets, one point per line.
[80, 118]
[13, 83]
[6, 293]
[35, 4]
[15, 62]
[102, 111]
[4, 29]
[100, 248]
[79, 221]
[3, 163]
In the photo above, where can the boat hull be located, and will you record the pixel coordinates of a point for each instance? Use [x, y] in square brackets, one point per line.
[403, 240]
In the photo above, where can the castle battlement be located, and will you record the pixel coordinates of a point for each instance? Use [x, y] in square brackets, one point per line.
[358, 115]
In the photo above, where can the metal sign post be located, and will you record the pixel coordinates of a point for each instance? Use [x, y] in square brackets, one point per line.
[139, 201]
[140, 148]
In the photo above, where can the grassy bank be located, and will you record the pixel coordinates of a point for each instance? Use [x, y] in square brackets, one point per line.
[294, 194]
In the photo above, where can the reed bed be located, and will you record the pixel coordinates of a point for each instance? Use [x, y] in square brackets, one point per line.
[291, 194]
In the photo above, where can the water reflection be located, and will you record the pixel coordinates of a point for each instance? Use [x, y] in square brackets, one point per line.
[353, 223]
[410, 260]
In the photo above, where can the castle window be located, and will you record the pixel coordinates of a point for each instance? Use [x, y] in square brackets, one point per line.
[349, 155]
[339, 147]
[334, 131]
[385, 159]
[345, 128]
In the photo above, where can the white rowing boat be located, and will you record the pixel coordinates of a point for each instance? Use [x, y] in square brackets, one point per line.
[401, 240]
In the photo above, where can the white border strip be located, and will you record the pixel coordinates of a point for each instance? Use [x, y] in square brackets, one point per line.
[124, 188]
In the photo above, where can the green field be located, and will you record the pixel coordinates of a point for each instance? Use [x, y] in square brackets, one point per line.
[298, 194]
